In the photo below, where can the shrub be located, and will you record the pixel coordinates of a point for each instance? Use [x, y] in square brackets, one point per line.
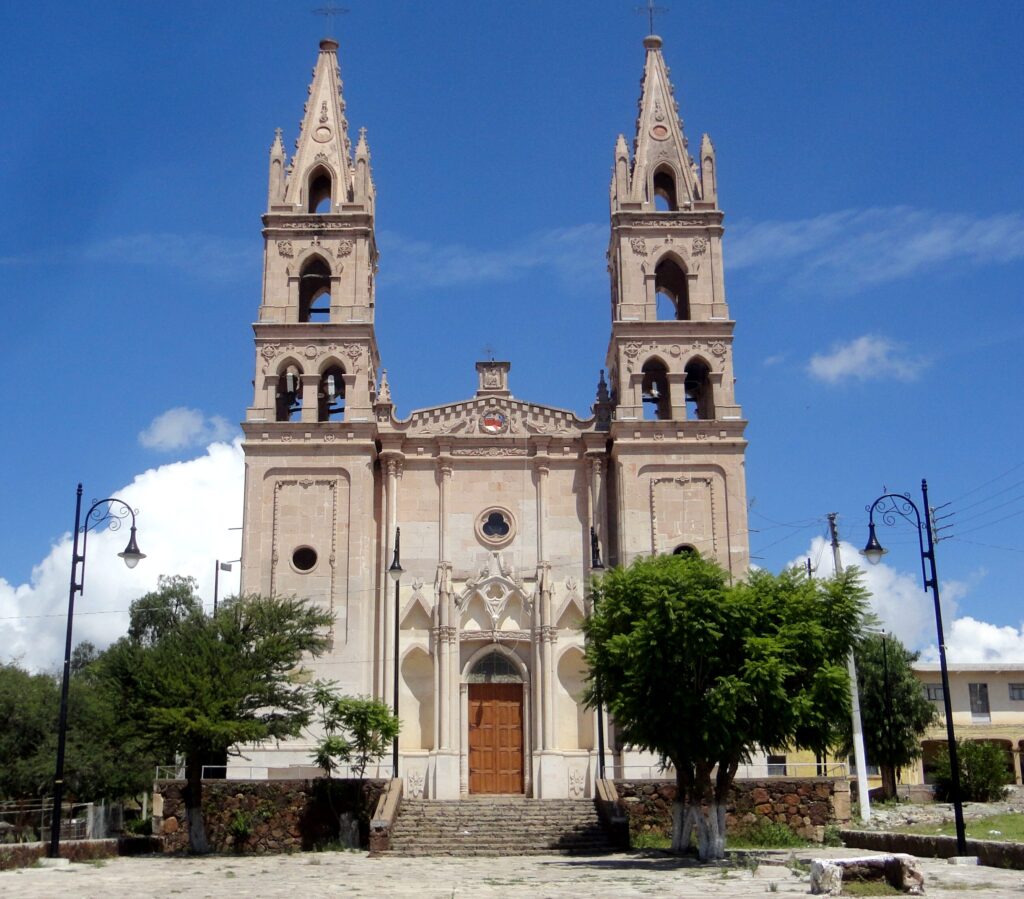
[983, 772]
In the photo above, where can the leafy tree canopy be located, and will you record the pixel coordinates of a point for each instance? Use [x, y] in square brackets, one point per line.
[893, 709]
[357, 730]
[704, 673]
[198, 684]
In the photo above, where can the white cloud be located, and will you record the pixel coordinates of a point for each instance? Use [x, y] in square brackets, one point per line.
[185, 510]
[206, 256]
[180, 428]
[865, 358]
[897, 598]
[843, 252]
[907, 611]
[570, 252]
[970, 640]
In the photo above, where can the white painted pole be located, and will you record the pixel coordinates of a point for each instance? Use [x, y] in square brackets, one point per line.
[863, 799]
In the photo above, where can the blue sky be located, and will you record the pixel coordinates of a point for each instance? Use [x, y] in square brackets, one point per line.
[869, 168]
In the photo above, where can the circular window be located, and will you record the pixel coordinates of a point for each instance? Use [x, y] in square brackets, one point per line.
[304, 558]
[496, 526]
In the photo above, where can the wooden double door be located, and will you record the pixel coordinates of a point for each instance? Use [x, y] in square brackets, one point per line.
[495, 738]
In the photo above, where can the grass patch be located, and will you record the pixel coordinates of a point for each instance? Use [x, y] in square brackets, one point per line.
[765, 835]
[650, 839]
[1009, 825]
[870, 888]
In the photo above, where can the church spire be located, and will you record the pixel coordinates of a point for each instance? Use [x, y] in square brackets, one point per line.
[321, 170]
[662, 166]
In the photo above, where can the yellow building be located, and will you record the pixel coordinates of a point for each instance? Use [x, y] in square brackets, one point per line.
[988, 705]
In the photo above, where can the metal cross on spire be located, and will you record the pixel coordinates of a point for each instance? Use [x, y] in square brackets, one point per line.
[650, 10]
[328, 12]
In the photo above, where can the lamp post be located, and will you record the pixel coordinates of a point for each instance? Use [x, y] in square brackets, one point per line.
[395, 572]
[890, 505]
[102, 511]
[595, 566]
[218, 567]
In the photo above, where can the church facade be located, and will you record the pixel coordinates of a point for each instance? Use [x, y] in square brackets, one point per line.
[505, 507]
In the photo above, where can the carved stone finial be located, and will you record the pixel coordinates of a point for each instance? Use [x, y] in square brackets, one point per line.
[384, 393]
[602, 390]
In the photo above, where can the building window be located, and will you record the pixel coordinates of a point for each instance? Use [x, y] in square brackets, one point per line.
[1017, 692]
[933, 692]
[776, 766]
[496, 526]
[304, 558]
[979, 702]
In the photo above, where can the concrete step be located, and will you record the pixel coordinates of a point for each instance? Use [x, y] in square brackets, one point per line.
[499, 825]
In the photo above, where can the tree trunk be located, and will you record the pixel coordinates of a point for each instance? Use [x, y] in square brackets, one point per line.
[688, 814]
[888, 781]
[194, 804]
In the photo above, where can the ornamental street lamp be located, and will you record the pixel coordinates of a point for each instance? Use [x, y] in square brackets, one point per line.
[596, 566]
[395, 572]
[890, 505]
[102, 511]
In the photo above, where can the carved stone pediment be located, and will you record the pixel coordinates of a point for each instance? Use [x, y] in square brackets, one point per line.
[493, 417]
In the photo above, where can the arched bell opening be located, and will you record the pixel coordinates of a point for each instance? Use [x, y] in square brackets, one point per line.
[672, 290]
[700, 402]
[315, 291]
[331, 395]
[664, 189]
[655, 392]
[289, 393]
[319, 192]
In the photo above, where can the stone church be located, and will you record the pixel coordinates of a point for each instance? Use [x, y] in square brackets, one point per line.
[505, 506]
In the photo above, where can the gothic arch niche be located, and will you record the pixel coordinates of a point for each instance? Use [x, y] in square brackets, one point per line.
[496, 607]
[417, 700]
[700, 398]
[319, 191]
[672, 290]
[315, 291]
[654, 391]
[575, 722]
[330, 394]
[288, 394]
[663, 188]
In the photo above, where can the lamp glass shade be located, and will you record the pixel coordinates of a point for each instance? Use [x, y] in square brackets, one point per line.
[396, 570]
[874, 550]
[132, 555]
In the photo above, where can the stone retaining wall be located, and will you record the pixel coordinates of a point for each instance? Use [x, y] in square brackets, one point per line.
[23, 855]
[805, 805]
[266, 815]
[994, 853]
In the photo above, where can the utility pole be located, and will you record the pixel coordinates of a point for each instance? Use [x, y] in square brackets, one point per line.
[863, 800]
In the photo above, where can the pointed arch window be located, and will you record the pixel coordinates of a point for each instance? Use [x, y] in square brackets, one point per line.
[672, 290]
[494, 668]
[664, 185]
[699, 396]
[289, 394]
[331, 395]
[320, 192]
[315, 292]
[655, 392]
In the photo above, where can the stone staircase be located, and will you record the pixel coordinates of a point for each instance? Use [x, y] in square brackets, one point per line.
[499, 825]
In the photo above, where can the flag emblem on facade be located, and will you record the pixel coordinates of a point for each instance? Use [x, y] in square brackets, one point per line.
[493, 422]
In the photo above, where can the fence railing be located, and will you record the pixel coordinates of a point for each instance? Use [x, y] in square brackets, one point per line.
[744, 772]
[263, 772]
[30, 820]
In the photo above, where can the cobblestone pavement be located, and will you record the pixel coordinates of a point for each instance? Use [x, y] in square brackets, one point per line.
[354, 874]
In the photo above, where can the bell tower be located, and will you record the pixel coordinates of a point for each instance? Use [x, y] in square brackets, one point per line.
[677, 429]
[319, 262]
[311, 513]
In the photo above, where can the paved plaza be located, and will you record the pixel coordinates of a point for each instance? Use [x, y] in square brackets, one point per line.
[355, 874]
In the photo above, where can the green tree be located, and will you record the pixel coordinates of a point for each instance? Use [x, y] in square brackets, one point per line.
[704, 673]
[894, 712]
[357, 730]
[103, 758]
[199, 684]
[985, 770]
